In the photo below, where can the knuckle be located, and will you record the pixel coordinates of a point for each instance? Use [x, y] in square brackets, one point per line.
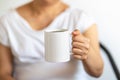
[78, 45]
[73, 50]
[84, 57]
[86, 52]
[74, 44]
[87, 46]
[80, 51]
[76, 38]
[87, 40]
[73, 38]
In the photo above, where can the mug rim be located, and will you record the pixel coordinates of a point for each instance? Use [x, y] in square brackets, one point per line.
[56, 30]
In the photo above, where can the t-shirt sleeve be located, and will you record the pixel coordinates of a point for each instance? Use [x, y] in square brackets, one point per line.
[3, 35]
[85, 21]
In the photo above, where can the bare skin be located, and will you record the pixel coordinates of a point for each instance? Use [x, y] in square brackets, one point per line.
[6, 61]
[39, 17]
[85, 46]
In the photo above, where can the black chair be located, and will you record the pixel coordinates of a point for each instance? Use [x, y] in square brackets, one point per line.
[112, 62]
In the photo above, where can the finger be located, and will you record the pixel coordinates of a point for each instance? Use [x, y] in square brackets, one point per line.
[80, 39]
[77, 57]
[80, 45]
[76, 32]
[77, 51]
[81, 51]
[80, 57]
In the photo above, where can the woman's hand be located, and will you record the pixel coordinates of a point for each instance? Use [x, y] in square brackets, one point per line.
[80, 45]
[86, 48]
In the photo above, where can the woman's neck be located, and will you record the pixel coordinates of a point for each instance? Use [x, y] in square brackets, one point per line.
[39, 6]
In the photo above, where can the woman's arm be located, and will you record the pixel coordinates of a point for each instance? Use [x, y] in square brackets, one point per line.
[86, 48]
[6, 61]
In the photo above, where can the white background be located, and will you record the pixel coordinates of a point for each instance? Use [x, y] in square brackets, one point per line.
[106, 13]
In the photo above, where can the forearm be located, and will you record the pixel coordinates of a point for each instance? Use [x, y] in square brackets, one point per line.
[93, 64]
[6, 77]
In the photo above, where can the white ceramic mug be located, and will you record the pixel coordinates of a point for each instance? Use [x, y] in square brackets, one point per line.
[57, 45]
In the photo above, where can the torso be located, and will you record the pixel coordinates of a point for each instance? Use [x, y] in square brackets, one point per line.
[27, 46]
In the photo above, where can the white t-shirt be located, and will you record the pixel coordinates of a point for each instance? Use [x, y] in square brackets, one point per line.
[27, 46]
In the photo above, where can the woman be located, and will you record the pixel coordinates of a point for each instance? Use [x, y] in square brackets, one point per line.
[22, 44]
